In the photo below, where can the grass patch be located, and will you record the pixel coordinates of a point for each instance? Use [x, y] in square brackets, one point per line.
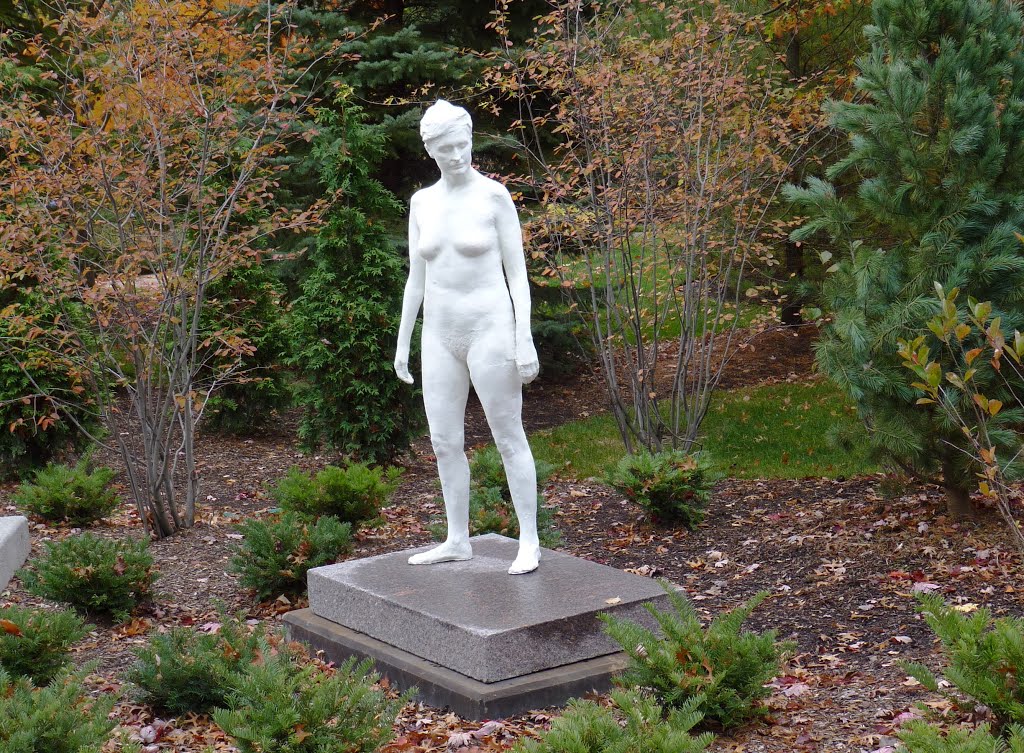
[773, 431]
[655, 283]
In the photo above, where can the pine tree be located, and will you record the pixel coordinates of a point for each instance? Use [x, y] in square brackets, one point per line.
[934, 192]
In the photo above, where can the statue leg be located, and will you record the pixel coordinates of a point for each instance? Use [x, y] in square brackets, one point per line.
[445, 389]
[500, 390]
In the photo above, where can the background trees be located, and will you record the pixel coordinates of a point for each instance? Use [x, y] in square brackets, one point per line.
[936, 160]
[671, 142]
[131, 188]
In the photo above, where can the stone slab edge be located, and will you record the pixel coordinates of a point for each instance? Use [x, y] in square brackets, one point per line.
[441, 687]
[14, 546]
[489, 658]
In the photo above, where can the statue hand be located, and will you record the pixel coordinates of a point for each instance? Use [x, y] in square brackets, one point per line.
[402, 368]
[526, 361]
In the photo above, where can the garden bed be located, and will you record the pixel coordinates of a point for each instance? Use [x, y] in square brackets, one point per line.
[840, 560]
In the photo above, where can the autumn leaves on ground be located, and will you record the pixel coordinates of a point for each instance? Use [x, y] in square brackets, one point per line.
[841, 560]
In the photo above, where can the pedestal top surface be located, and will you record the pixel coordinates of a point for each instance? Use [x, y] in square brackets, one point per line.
[479, 594]
[475, 618]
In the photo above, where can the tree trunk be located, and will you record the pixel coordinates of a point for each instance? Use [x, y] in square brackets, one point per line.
[958, 497]
[958, 503]
[793, 263]
[793, 256]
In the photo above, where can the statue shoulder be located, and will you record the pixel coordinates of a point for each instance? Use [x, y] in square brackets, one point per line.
[423, 196]
[498, 193]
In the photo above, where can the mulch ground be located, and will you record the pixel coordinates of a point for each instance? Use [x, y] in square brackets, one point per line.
[840, 561]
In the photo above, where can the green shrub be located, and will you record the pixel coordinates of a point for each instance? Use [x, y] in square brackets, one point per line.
[487, 470]
[274, 557]
[671, 486]
[353, 494]
[247, 303]
[490, 512]
[724, 666]
[986, 657]
[60, 718]
[77, 495]
[285, 708]
[93, 575]
[186, 670]
[561, 338]
[636, 725]
[35, 643]
[919, 737]
[341, 326]
[490, 502]
[34, 427]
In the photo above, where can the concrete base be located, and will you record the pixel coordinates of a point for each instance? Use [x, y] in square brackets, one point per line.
[440, 687]
[476, 619]
[14, 546]
[470, 636]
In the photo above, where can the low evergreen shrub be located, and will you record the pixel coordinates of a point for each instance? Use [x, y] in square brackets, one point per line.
[490, 502]
[490, 512]
[986, 657]
[275, 556]
[918, 737]
[672, 486]
[725, 667]
[77, 495]
[283, 707]
[561, 338]
[188, 670]
[35, 643]
[58, 718]
[93, 575]
[487, 470]
[354, 494]
[636, 724]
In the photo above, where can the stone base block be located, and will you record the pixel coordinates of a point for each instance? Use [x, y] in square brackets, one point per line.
[441, 687]
[14, 546]
[474, 618]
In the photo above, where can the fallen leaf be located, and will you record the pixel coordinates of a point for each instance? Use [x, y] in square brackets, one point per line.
[613, 600]
[459, 739]
[488, 729]
[796, 690]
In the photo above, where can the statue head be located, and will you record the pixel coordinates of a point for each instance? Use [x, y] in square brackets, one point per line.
[443, 117]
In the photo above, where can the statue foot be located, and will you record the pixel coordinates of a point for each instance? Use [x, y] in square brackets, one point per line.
[447, 552]
[526, 561]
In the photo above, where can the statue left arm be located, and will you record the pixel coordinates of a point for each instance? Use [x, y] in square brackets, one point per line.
[510, 240]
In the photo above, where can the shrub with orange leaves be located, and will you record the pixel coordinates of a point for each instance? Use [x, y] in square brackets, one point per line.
[672, 136]
[142, 175]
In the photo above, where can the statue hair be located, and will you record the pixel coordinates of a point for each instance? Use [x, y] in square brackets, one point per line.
[442, 117]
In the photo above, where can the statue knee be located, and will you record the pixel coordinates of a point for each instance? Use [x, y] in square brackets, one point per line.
[448, 446]
[511, 446]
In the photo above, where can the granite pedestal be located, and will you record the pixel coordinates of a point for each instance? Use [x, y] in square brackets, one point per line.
[14, 546]
[468, 635]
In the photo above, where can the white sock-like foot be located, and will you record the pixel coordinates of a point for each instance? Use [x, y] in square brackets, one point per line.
[447, 552]
[526, 561]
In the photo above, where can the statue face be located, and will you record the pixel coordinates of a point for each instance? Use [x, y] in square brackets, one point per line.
[452, 151]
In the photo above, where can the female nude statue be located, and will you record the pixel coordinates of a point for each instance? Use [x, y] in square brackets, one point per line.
[464, 244]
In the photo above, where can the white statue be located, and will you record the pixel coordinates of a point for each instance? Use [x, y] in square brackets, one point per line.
[464, 244]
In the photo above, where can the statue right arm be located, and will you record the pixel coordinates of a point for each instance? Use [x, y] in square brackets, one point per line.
[412, 299]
